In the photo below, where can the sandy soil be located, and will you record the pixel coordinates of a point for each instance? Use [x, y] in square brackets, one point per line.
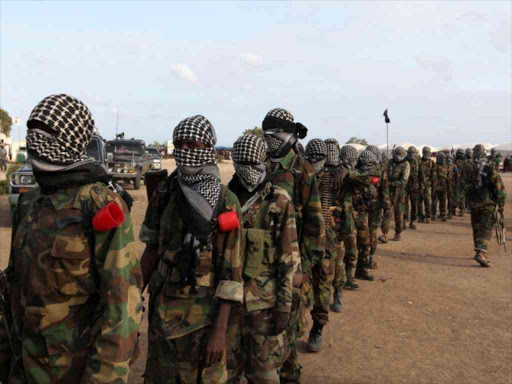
[432, 315]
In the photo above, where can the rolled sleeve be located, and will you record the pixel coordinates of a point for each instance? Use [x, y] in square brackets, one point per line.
[230, 291]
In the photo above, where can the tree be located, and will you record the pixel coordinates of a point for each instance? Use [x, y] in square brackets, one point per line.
[5, 122]
[355, 140]
[255, 131]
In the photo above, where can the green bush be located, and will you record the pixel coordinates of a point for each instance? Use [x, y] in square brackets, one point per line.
[4, 187]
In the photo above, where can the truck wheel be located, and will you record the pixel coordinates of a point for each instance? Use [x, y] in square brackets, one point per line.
[136, 182]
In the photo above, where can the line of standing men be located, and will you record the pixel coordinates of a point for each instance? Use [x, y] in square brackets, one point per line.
[231, 270]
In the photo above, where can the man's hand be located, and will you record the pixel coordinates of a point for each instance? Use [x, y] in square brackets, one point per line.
[298, 280]
[280, 320]
[216, 347]
[338, 179]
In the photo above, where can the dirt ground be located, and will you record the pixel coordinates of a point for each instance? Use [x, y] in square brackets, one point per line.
[432, 315]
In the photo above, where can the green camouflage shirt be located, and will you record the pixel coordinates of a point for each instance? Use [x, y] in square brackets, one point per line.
[72, 322]
[398, 173]
[483, 185]
[271, 250]
[380, 192]
[428, 174]
[415, 175]
[297, 177]
[185, 309]
[442, 173]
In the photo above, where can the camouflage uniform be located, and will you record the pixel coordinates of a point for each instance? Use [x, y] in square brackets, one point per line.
[271, 257]
[398, 175]
[297, 177]
[180, 315]
[459, 183]
[413, 188]
[428, 181]
[440, 188]
[73, 320]
[452, 202]
[484, 191]
[380, 202]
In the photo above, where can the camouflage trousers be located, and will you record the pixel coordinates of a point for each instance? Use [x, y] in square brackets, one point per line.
[322, 277]
[482, 221]
[291, 369]
[425, 203]
[363, 236]
[343, 242]
[374, 222]
[178, 361]
[439, 196]
[253, 349]
[459, 197]
[412, 197]
[397, 197]
[452, 201]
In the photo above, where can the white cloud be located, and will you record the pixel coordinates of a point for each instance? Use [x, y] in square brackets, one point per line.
[185, 72]
[251, 59]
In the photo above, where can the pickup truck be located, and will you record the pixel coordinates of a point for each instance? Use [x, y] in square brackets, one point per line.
[128, 160]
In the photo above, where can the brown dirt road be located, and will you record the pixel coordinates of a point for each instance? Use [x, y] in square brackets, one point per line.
[432, 315]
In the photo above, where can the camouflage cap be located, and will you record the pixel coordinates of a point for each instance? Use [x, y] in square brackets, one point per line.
[426, 149]
[411, 149]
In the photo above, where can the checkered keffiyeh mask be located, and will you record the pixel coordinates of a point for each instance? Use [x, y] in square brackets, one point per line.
[333, 152]
[348, 155]
[249, 158]
[316, 154]
[72, 127]
[367, 159]
[195, 128]
[280, 113]
[374, 149]
[198, 128]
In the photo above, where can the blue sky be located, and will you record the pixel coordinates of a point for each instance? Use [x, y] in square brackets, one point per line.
[444, 69]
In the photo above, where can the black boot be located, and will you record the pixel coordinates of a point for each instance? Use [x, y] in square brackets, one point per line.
[350, 283]
[338, 303]
[315, 338]
[362, 272]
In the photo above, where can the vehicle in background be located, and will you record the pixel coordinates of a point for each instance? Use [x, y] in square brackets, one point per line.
[23, 179]
[127, 160]
[155, 157]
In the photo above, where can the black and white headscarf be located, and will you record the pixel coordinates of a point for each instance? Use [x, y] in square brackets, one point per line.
[348, 156]
[374, 149]
[278, 140]
[71, 125]
[195, 128]
[316, 154]
[280, 113]
[366, 160]
[197, 168]
[249, 161]
[333, 152]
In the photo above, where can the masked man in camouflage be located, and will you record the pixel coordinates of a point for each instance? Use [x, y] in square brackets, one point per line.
[73, 288]
[484, 192]
[412, 189]
[344, 219]
[325, 160]
[428, 180]
[194, 262]
[459, 183]
[295, 175]
[271, 257]
[398, 175]
[379, 203]
[440, 187]
[452, 203]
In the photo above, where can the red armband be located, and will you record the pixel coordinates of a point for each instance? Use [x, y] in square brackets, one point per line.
[111, 216]
[228, 221]
[375, 180]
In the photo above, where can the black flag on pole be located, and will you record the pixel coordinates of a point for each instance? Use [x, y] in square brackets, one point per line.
[386, 117]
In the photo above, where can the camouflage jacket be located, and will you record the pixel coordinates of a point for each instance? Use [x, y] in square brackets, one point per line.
[451, 175]
[297, 177]
[415, 175]
[219, 270]
[380, 192]
[355, 182]
[271, 250]
[483, 184]
[428, 173]
[72, 321]
[457, 174]
[398, 173]
[442, 182]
